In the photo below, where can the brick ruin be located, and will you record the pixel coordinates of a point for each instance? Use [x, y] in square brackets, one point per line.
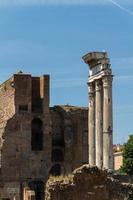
[35, 139]
[88, 183]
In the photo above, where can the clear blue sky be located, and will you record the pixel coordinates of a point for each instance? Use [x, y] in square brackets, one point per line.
[51, 36]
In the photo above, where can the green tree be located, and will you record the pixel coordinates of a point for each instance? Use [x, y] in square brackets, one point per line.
[128, 157]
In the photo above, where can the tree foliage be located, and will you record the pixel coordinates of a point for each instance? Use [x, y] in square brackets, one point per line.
[128, 157]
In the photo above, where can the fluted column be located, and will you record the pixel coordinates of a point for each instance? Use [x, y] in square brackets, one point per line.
[91, 124]
[99, 124]
[107, 123]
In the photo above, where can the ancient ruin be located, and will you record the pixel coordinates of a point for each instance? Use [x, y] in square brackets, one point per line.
[38, 141]
[100, 110]
[88, 183]
[35, 139]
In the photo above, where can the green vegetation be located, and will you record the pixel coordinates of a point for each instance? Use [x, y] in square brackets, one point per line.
[128, 157]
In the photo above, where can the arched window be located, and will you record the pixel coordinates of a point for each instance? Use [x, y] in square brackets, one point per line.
[55, 170]
[36, 135]
[57, 155]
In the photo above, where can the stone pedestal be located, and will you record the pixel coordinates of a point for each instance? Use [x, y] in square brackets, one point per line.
[99, 124]
[107, 123]
[91, 124]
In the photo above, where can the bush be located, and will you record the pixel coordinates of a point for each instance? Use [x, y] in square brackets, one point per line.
[128, 157]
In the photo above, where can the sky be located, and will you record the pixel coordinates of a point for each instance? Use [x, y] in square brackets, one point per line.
[51, 36]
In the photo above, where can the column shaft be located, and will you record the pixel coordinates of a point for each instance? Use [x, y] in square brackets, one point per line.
[107, 123]
[91, 124]
[99, 124]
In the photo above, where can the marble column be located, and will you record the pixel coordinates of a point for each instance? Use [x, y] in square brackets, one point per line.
[99, 123]
[107, 123]
[91, 124]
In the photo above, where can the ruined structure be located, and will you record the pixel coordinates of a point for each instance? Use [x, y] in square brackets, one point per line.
[36, 140]
[69, 138]
[118, 156]
[25, 138]
[88, 183]
[100, 110]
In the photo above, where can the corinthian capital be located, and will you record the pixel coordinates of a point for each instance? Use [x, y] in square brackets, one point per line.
[98, 85]
[107, 81]
[91, 87]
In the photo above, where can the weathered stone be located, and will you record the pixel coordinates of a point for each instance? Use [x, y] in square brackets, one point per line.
[26, 160]
[100, 112]
[87, 183]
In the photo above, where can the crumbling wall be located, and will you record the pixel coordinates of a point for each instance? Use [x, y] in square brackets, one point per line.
[70, 135]
[87, 183]
[19, 162]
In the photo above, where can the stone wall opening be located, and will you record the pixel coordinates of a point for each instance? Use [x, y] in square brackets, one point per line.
[37, 105]
[23, 108]
[37, 135]
[57, 155]
[58, 140]
[38, 188]
[55, 170]
[5, 199]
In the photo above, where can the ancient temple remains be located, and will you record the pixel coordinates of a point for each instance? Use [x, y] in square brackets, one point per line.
[37, 140]
[100, 110]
